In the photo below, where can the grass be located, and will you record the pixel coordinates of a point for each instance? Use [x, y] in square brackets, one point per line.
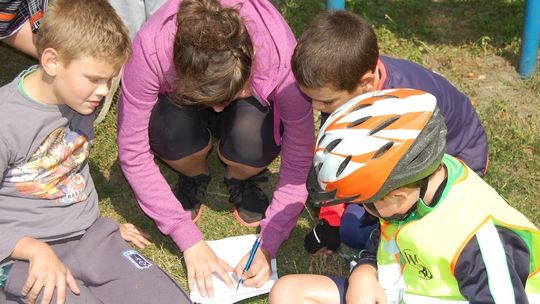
[457, 38]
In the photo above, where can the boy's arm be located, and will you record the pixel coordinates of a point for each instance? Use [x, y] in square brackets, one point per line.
[296, 154]
[466, 138]
[46, 271]
[8, 241]
[369, 254]
[8, 237]
[473, 276]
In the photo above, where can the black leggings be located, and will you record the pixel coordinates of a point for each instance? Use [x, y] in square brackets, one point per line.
[245, 130]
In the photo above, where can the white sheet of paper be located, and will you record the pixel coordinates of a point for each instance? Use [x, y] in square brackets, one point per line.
[232, 250]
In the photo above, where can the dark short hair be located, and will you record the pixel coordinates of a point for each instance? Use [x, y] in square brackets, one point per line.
[335, 50]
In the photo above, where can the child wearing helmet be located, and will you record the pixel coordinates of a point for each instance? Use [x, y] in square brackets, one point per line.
[445, 234]
[336, 58]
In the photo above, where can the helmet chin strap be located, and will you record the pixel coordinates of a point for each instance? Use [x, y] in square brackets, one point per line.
[399, 217]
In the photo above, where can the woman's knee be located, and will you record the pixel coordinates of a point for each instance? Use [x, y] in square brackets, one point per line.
[246, 132]
[177, 132]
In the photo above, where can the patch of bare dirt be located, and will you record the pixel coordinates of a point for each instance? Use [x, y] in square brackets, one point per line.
[473, 65]
[484, 78]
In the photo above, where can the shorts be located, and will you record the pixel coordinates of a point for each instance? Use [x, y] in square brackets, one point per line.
[15, 13]
[342, 284]
[245, 130]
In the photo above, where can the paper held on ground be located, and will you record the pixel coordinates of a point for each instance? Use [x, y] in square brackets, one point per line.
[232, 250]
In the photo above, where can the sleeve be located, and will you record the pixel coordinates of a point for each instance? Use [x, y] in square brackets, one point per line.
[8, 237]
[296, 155]
[369, 254]
[473, 276]
[332, 214]
[140, 89]
[466, 138]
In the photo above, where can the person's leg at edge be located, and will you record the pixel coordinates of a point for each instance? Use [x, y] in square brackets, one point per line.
[23, 40]
[305, 288]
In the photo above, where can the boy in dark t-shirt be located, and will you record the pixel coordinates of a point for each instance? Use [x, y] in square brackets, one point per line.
[337, 58]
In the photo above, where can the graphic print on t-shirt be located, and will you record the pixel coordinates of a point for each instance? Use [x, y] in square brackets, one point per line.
[53, 170]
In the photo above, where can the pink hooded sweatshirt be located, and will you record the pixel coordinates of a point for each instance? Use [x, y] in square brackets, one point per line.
[151, 72]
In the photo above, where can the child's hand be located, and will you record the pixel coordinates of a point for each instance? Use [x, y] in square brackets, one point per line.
[260, 270]
[201, 262]
[322, 240]
[364, 287]
[131, 233]
[323, 252]
[46, 272]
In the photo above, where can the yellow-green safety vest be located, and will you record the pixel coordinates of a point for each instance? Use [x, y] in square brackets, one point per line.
[422, 252]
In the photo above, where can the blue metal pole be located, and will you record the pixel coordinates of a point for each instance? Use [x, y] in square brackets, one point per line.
[530, 39]
[335, 4]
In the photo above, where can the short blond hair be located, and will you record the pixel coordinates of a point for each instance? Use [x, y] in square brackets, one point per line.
[84, 28]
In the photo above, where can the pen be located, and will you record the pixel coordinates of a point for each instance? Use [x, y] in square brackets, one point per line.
[250, 260]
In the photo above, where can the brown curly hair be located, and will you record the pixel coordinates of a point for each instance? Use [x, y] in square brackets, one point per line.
[213, 53]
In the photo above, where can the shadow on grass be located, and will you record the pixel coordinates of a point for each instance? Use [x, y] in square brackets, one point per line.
[12, 63]
[486, 23]
[217, 221]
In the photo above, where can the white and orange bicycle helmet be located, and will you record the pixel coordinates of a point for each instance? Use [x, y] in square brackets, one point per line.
[375, 143]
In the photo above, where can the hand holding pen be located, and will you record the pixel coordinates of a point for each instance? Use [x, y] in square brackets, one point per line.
[250, 260]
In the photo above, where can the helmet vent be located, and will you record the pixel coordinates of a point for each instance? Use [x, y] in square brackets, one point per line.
[387, 96]
[384, 124]
[320, 140]
[343, 165]
[358, 122]
[332, 145]
[360, 107]
[383, 149]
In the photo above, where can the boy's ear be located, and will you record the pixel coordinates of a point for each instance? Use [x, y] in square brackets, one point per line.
[398, 196]
[368, 82]
[50, 61]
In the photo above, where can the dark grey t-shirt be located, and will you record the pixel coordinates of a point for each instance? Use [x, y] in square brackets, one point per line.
[46, 191]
